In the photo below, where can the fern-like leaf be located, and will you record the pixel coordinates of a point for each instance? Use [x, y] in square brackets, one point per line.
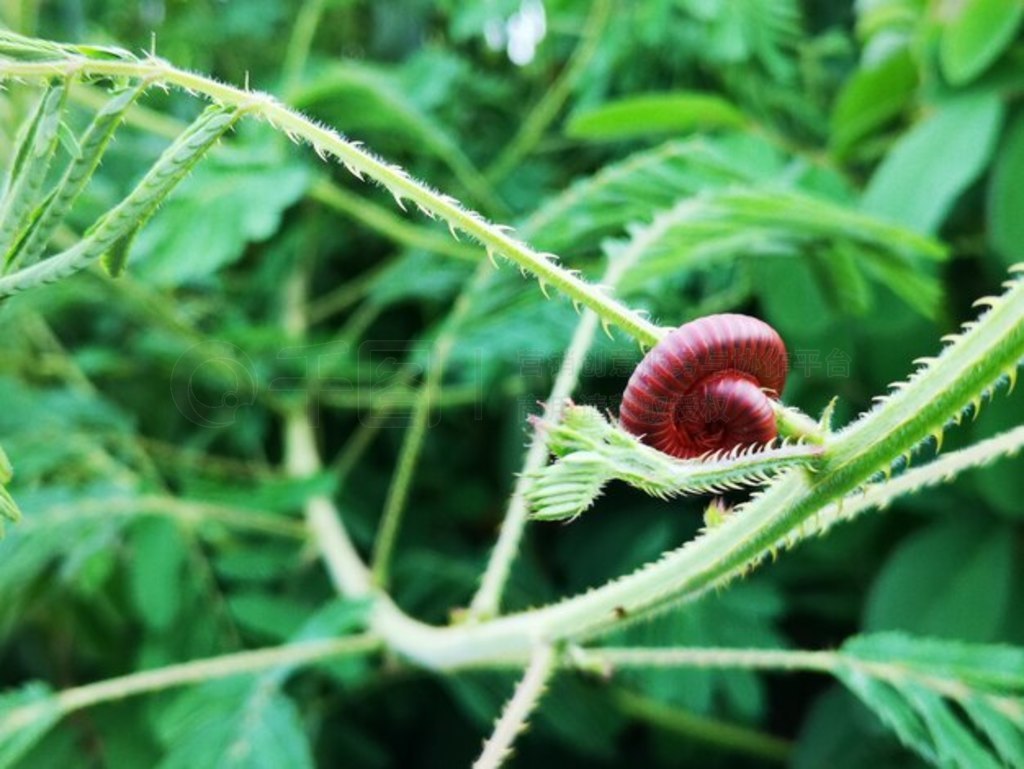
[956, 704]
[749, 221]
[31, 159]
[591, 452]
[127, 216]
[55, 207]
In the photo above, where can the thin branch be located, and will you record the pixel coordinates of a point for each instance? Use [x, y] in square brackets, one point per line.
[189, 511]
[347, 571]
[304, 653]
[528, 692]
[940, 470]
[297, 53]
[703, 657]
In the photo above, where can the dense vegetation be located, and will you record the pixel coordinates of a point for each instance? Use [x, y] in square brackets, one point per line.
[269, 409]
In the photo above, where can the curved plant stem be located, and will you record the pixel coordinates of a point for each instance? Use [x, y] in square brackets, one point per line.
[705, 657]
[513, 719]
[545, 110]
[302, 459]
[877, 496]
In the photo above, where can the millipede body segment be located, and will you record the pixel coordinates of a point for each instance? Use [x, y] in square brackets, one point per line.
[707, 386]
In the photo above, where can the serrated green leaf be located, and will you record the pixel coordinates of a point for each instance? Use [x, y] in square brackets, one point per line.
[955, 745]
[940, 696]
[276, 617]
[633, 189]
[50, 538]
[228, 203]
[24, 181]
[974, 34]
[841, 733]
[928, 168]
[675, 112]
[986, 667]
[80, 169]
[894, 711]
[1006, 736]
[757, 222]
[170, 169]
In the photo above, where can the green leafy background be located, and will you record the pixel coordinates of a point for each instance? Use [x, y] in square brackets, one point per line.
[901, 110]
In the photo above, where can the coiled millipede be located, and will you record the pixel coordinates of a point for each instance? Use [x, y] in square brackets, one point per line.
[707, 386]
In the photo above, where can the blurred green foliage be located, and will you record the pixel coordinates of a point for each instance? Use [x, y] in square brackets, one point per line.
[778, 123]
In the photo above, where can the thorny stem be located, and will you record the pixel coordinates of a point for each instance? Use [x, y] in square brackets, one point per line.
[328, 142]
[528, 692]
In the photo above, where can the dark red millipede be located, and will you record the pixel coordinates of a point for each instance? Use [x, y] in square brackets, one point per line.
[707, 386]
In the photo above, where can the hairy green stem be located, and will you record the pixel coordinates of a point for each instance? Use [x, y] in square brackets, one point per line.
[495, 239]
[513, 718]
